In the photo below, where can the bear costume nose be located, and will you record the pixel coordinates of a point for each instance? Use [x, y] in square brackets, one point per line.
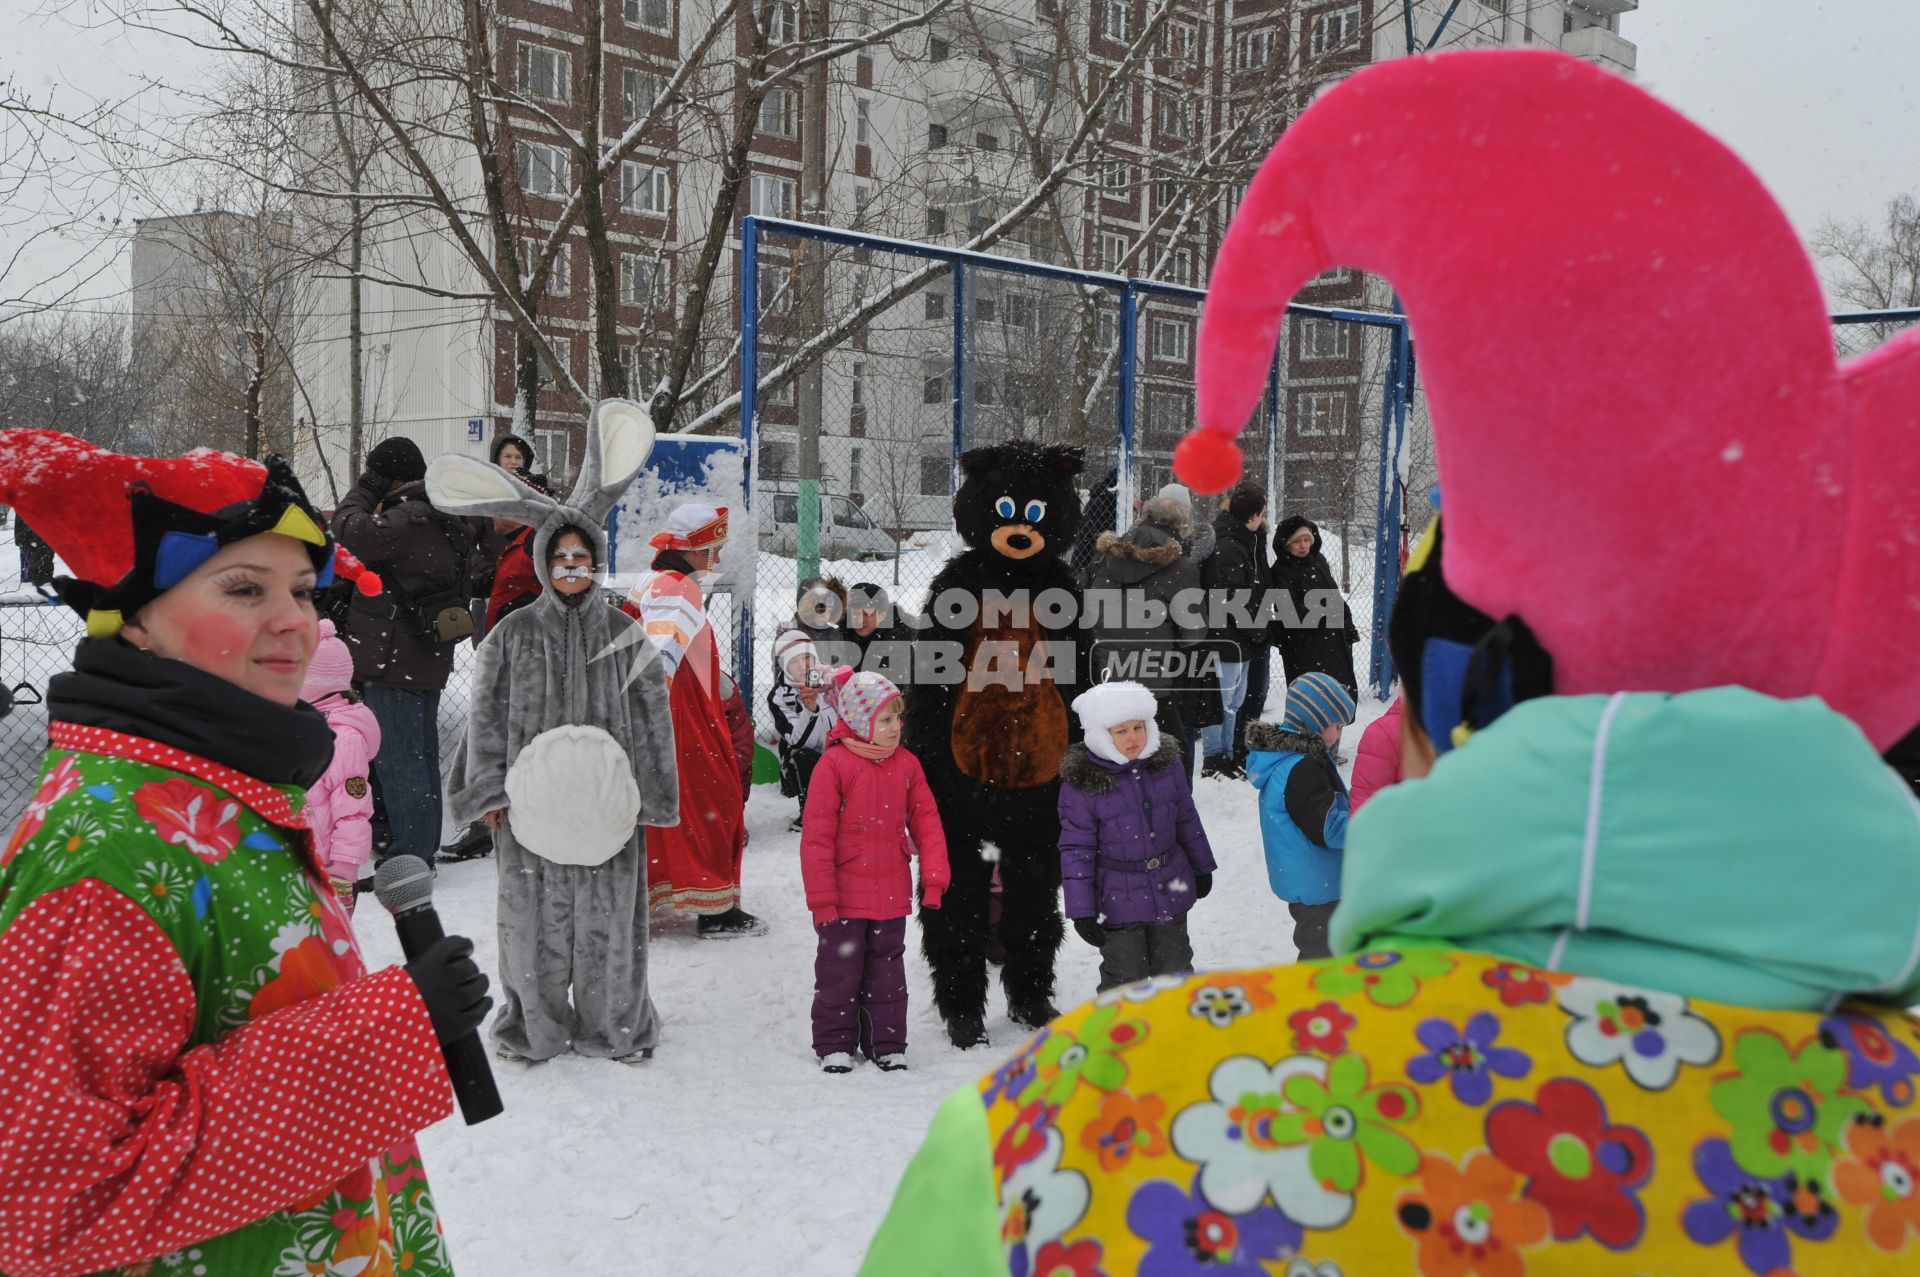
[1019, 540]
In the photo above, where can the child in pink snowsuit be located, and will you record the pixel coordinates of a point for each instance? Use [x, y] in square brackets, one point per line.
[340, 804]
[868, 810]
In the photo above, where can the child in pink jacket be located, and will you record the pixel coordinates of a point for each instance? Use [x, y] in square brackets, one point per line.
[1377, 763]
[340, 804]
[868, 809]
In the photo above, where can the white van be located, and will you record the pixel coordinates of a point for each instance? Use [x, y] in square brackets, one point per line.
[845, 530]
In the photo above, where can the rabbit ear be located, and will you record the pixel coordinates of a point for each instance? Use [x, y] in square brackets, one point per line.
[467, 486]
[619, 441]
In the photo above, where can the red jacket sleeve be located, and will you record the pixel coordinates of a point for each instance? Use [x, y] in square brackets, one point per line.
[118, 1143]
[819, 832]
[513, 579]
[929, 837]
[1376, 764]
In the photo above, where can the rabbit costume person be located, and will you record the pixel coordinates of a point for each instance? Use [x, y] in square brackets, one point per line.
[572, 739]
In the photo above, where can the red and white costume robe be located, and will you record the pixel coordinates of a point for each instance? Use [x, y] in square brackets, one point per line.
[694, 865]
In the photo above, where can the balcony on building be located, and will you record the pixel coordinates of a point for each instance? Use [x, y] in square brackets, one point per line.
[1607, 8]
[1602, 48]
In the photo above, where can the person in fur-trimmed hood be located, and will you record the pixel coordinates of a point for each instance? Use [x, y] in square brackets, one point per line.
[1150, 561]
[569, 756]
[1133, 856]
[1303, 804]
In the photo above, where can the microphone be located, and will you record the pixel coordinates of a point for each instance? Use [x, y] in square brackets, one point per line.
[404, 884]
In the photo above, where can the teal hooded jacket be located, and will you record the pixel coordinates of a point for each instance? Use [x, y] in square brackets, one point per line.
[1720, 844]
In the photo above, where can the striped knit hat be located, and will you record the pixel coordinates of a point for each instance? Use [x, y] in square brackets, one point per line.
[1314, 702]
[859, 698]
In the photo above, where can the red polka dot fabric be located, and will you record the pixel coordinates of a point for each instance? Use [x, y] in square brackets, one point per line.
[202, 1072]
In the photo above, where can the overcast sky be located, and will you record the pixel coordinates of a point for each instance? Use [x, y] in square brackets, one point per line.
[1821, 97]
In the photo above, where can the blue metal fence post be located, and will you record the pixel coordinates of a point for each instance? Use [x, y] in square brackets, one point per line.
[1129, 324]
[959, 370]
[749, 404]
[1386, 559]
[1273, 434]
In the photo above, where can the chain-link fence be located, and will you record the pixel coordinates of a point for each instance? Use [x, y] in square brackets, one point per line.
[942, 350]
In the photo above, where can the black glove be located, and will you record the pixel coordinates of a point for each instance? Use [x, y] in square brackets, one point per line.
[1202, 884]
[453, 987]
[375, 482]
[1090, 931]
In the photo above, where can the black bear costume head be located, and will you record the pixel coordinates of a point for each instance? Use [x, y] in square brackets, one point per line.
[1018, 499]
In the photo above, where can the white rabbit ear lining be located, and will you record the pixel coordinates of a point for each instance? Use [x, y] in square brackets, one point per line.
[460, 483]
[626, 440]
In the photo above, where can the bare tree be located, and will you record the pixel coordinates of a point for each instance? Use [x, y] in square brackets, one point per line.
[74, 370]
[1872, 267]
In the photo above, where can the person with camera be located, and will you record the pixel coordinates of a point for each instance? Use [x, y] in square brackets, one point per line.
[403, 641]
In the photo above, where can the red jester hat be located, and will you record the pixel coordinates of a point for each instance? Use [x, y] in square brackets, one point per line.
[1648, 449]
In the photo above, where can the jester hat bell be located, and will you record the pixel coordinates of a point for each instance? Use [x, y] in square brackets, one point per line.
[131, 528]
[1671, 478]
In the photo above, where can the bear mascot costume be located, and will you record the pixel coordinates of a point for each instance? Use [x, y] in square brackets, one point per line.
[989, 726]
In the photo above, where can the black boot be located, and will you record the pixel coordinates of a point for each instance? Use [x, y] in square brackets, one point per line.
[967, 1031]
[732, 924]
[1034, 1015]
[475, 841]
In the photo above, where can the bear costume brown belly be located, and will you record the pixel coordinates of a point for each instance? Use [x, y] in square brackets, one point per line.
[1005, 737]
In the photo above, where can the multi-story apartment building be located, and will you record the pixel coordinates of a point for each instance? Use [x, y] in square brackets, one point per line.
[935, 134]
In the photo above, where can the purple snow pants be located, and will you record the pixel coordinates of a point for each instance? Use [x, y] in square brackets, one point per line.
[860, 988]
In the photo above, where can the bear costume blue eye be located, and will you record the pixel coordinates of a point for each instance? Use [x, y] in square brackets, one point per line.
[1004, 507]
[1036, 511]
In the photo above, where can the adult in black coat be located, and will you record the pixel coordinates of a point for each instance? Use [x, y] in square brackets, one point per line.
[1236, 573]
[1101, 515]
[1323, 636]
[1149, 565]
[36, 556]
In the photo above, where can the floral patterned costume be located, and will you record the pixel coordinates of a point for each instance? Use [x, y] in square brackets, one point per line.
[217, 1086]
[1449, 1098]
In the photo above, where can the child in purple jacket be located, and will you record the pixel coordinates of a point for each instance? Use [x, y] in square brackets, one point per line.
[1133, 857]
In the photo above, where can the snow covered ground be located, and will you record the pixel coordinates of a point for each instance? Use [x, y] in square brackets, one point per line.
[731, 1153]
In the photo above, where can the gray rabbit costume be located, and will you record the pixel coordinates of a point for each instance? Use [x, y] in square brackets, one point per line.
[570, 731]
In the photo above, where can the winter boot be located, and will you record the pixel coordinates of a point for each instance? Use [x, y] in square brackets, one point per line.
[643, 1056]
[731, 925]
[890, 1063]
[967, 1030]
[838, 1062]
[1034, 1015]
[475, 841]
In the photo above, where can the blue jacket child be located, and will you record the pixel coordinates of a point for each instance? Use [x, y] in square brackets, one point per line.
[1303, 804]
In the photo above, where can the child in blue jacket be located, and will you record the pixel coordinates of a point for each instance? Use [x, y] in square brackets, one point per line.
[1303, 804]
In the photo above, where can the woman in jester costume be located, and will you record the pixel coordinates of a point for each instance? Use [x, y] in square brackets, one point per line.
[1618, 971]
[203, 1075]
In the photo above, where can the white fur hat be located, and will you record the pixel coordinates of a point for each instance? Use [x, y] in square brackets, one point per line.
[1106, 705]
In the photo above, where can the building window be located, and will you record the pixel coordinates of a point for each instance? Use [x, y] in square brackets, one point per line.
[774, 196]
[1113, 250]
[936, 304]
[1119, 20]
[936, 221]
[986, 141]
[777, 113]
[1020, 311]
[541, 169]
[776, 288]
[934, 389]
[1323, 339]
[1170, 116]
[782, 395]
[560, 278]
[1252, 50]
[654, 15]
[936, 476]
[636, 279]
[936, 136]
[1183, 267]
[938, 50]
[639, 90]
[983, 391]
[643, 189]
[562, 358]
[1171, 338]
[1338, 275]
[1322, 412]
[1123, 106]
[786, 22]
[1179, 40]
[986, 310]
[1335, 31]
[643, 371]
[853, 470]
[862, 122]
[555, 450]
[859, 384]
[1116, 178]
[545, 73]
